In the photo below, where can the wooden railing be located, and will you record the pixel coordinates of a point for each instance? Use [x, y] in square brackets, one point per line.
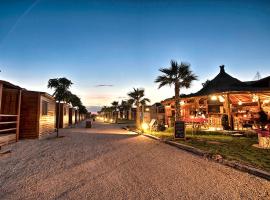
[9, 122]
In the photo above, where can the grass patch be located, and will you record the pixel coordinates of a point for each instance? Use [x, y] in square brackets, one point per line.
[232, 148]
[125, 121]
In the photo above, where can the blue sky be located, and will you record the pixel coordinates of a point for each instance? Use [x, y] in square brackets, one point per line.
[124, 43]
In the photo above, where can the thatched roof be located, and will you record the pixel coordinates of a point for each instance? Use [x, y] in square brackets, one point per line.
[223, 82]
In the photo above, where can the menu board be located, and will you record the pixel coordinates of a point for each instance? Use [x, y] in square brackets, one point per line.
[179, 129]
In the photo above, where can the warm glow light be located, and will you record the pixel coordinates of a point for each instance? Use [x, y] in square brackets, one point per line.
[111, 120]
[145, 126]
[212, 129]
[266, 101]
[221, 98]
[255, 98]
[182, 103]
[214, 98]
[245, 115]
[105, 119]
[147, 109]
[240, 103]
[203, 116]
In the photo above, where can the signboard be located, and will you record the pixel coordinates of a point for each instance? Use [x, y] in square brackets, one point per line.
[179, 129]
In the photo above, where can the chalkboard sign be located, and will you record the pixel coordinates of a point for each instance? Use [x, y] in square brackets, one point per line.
[179, 129]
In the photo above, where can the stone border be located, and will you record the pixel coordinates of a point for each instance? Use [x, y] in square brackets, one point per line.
[233, 164]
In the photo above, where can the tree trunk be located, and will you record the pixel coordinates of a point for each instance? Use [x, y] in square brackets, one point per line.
[138, 116]
[116, 116]
[177, 102]
[130, 114]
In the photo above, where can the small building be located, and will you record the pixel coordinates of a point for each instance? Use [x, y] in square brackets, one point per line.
[72, 116]
[37, 114]
[145, 114]
[157, 112]
[77, 116]
[10, 102]
[63, 116]
[81, 117]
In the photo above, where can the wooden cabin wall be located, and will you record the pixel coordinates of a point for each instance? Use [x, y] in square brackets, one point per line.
[9, 105]
[29, 115]
[64, 115]
[10, 101]
[81, 117]
[71, 116]
[76, 116]
[47, 122]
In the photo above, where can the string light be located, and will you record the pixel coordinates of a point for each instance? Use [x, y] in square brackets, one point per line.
[214, 98]
[221, 98]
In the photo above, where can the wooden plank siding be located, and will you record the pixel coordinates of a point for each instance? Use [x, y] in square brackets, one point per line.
[76, 116]
[47, 122]
[10, 101]
[71, 117]
[29, 124]
[64, 115]
[33, 123]
[9, 112]
[81, 117]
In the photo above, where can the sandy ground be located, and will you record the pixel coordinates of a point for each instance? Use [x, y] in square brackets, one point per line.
[106, 162]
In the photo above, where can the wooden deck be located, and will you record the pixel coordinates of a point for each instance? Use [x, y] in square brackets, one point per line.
[7, 138]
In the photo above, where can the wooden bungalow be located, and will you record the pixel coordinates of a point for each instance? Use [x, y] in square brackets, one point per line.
[146, 114]
[63, 116]
[82, 117]
[72, 116]
[77, 116]
[37, 114]
[10, 102]
[240, 102]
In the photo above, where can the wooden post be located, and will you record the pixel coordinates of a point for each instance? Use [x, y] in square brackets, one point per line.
[228, 110]
[1, 93]
[18, 115]
[207, 111]
[259, 103]
[197, 105]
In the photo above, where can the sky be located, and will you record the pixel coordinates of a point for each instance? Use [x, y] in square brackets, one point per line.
[107, 47]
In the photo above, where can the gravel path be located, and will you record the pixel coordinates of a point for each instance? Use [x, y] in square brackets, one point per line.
[106, 162]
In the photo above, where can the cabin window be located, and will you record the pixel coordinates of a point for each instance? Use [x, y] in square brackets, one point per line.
[44, 108]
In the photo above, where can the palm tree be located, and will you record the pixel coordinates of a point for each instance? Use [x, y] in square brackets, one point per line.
[115, 106]
[129, 102]
[178, 75]
[61, 93]
[124, 107]
[137, 98]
